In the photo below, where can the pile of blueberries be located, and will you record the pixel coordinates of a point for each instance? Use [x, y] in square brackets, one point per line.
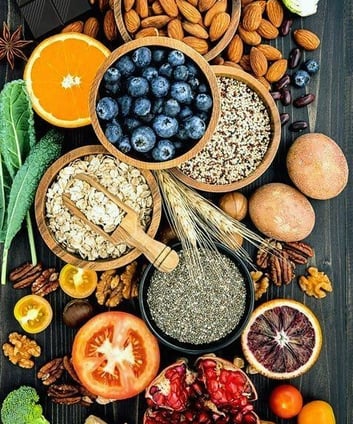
[155, 103]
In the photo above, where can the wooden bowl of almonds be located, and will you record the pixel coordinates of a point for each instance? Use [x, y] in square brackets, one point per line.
[66, 234]
[205, 25]
[246, 138]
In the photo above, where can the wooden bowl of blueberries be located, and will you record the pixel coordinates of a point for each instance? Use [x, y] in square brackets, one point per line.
[154, 103]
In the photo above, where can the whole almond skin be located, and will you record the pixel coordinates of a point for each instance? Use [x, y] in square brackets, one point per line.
[175, 29]
[267, 30]
[219, 25]
[76, 26]
[91, 27]
[198, 44]
[252, 38]
[170, 7]
[196, 30]
[258, 62]
[219, 7]
[128, 5]
[276, 71]
[190, 12]
[252, 17]
[235, 49]
[109, 26]
[271, 53]
[158, 21]
[157, 8]
[141, 7]
[245, 62]
[264, 82]
[204, 5]
[147, 32]
[132, 20]
[306, 39]
[275, 12]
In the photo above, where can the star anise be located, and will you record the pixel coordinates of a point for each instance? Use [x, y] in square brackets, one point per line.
[11, 45]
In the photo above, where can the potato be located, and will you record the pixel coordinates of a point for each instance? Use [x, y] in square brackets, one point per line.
[281, 212]
[317, 166]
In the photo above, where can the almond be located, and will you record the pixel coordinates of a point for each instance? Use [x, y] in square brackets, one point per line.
[219, 25]
[193, 2]
[218, 60]
[264, 82]
[128, 5]
[76, 26]
[219, 7]
[306, 39]
[91, 27]
[245, 62]
[132, 20]
[198, 44]
[252, 38]
[196, 30]
[245, 2]
[232, 64]
[158, 21]
[267, 30]
[252, 17]
[204, 5]
[103, 5]
[276, 71]
[170, 7]
[258, 62]
[235, 49]
[270, 52]
[157, 8]
[141, 7]
[147, 32]
[275, 12]
[190, 12]
[175, 29]
[109, 26]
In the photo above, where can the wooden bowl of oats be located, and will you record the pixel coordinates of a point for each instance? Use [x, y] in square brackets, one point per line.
[194, 24]
[245, 141]
[66, 235]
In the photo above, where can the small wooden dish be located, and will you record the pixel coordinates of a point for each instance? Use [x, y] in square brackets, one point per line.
[234, 9]
[40, 213]
[209, 76]
[254, 84]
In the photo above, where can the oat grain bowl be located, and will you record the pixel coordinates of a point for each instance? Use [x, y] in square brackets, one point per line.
[67, 235]
[245, 140]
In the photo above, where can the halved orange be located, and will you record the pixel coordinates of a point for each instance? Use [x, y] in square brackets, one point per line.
[59, 74]
[282, 339]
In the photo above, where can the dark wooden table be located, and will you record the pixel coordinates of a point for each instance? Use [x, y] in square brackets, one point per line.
[331, 377]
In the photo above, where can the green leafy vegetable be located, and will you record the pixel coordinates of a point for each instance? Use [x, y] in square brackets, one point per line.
[24, 187]
[5, 184]
[21, 407]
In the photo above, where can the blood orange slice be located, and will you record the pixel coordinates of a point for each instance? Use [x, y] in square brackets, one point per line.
[283, 339]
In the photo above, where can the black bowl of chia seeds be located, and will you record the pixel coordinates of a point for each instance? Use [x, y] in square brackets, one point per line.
[200, 309]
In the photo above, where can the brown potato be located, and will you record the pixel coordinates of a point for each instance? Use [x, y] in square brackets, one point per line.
[317, 166]
[280, 211]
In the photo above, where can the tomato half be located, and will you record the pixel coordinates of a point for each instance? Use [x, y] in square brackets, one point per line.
[77, 282]
[286, 401]
[115, 355]
[34, 313]
[316, 411]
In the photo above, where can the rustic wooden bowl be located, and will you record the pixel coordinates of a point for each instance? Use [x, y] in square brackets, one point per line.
[234, 9]
[40, 214]
[202, 64]
[254, 84]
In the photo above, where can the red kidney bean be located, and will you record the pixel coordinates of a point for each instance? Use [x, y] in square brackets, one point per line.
[284, 118]
[294, 58]
[304, 100]
[298, 126]
[286, 97]
[276, 95]
[286, 26]
[283, 82]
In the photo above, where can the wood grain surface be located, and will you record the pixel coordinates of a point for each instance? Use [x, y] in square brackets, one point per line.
[331, 377]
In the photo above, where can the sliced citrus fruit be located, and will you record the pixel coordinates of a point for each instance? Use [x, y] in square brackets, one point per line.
[283, 339]
[59, 74]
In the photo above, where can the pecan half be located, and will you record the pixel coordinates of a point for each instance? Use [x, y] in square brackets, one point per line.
[46, 283]
[67, 364]
[50, 372]
[298, 251]
[24, 275]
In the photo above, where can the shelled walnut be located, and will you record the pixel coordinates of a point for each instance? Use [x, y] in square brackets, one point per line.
[20, 349]
[261, 283]
[316, 284]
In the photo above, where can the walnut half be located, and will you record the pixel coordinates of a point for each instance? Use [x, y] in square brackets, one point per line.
[316, 284]
[20, 349]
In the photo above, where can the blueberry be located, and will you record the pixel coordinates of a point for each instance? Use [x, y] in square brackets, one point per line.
[185, 112]
[181, 73]
[165, 126]
[111, 75]
[181, 91]
[202, 88]
[125, 65]
[166, 70]
[194, 83]
[125, 103]
[192, 68]
[203, 102]
[159, 86]
[147, 118]
[311, 66]
[132, 123]
[107, 108]
[157, 106]
[203, 115]
[195, 127]
[164, 150]
[178, 144]
[143, 139]
[112, 88]
[171, 107]
[124, 144]
[182, 134]
[301, 78]
[137, 86]
[142, 57]
[176, 57]
[113, 132]
[142, 106]
[149, 73]
[158, 55]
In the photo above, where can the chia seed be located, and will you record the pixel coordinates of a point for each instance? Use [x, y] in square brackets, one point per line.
[200, 310]
[241, 138]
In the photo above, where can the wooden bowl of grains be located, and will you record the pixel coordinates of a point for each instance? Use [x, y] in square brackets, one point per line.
[246, 138]
[66, 235]
[194, 24]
